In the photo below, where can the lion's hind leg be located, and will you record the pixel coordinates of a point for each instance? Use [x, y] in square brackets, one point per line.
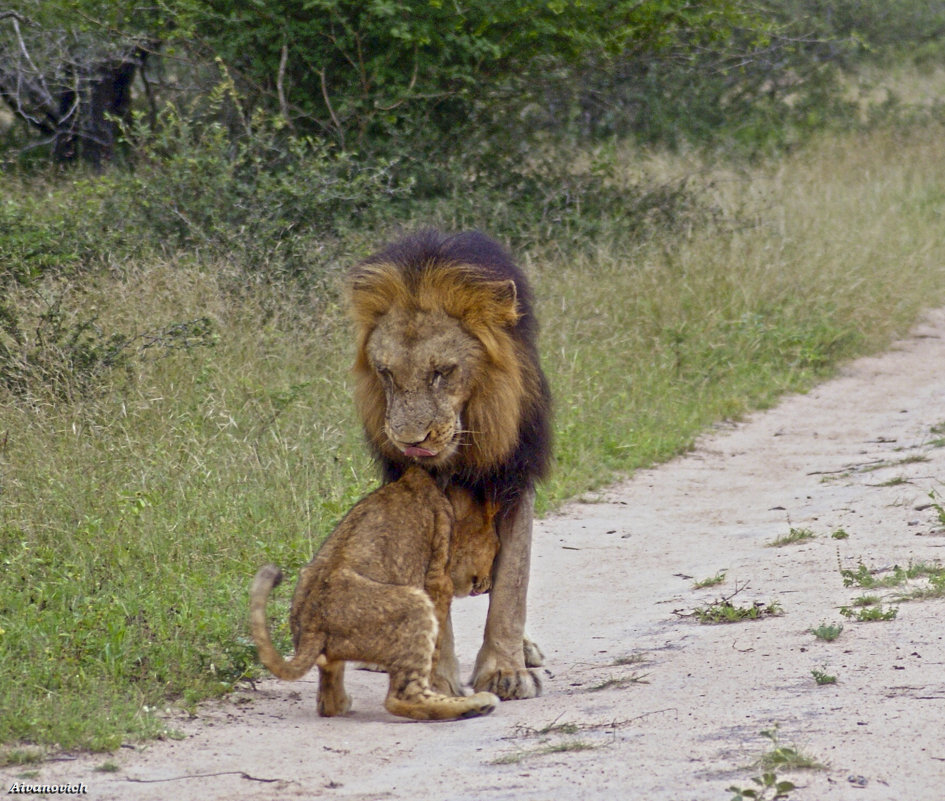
[332, 698]
[399, 633]
[410, 657]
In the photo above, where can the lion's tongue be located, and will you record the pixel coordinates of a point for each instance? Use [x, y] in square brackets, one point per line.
[413, 450]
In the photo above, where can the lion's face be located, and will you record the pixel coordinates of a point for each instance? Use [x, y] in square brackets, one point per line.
[475, 543]
[426, 364]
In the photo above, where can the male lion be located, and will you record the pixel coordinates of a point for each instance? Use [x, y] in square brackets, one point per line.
[447, 377]
[379, 590]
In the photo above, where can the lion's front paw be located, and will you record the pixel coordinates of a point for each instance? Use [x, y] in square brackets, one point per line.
[509, 685]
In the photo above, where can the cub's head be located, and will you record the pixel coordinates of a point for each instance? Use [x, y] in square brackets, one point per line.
[474, 543]
[438, 371]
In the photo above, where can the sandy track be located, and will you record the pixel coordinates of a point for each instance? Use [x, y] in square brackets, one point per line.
[613, 583]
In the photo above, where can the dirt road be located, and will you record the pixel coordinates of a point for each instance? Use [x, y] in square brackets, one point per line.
[641, 700]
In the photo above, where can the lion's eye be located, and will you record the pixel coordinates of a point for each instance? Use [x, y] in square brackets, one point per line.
[441, 373]
[384, 373]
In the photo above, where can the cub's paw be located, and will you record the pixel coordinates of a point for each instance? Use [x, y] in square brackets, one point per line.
[533, 655]
[480, 704]
[509, 685]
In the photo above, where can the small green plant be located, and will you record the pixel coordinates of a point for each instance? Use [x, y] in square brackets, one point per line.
[793, 536]
[768, 787]
[934, 574]
[868, 579]
[939, 433]
[938, 506]
[840, 534]
[822, 677]
[861, 577]
[869, 614]
[785, 757]
[725, 611]
[827, 632]
[935, 588]
[767, 783]
[711, 581]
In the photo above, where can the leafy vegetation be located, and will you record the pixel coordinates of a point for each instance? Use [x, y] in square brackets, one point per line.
[828, 632]
[725, 611]
[779, 757]
[938, 506]
[767, 786]
[869, 612]
[785, 757]
[822, 677]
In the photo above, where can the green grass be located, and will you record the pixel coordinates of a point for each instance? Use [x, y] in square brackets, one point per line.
[711, 581]
[133, 518]
[938, 505]
[793, 536]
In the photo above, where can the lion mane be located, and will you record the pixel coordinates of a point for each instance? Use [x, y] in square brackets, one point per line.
[506, 421]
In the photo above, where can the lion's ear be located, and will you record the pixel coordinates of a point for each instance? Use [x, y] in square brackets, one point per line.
[506, 299]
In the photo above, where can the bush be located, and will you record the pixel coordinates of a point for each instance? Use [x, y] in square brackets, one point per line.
[247, 189]
[202, 180]
[53, 352]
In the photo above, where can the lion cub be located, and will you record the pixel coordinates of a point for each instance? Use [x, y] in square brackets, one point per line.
[379, 591]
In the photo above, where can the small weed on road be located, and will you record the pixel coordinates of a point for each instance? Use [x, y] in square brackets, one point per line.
[821, 676]
[724, 611]
[827, 632]
[869, 614]
[768, 787]
[793, 536]
[712, 581]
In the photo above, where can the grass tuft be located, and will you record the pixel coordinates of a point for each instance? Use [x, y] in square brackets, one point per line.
[793, 536]
[711, 581]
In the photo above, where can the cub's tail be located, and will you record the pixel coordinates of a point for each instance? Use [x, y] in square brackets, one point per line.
[309, 649]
